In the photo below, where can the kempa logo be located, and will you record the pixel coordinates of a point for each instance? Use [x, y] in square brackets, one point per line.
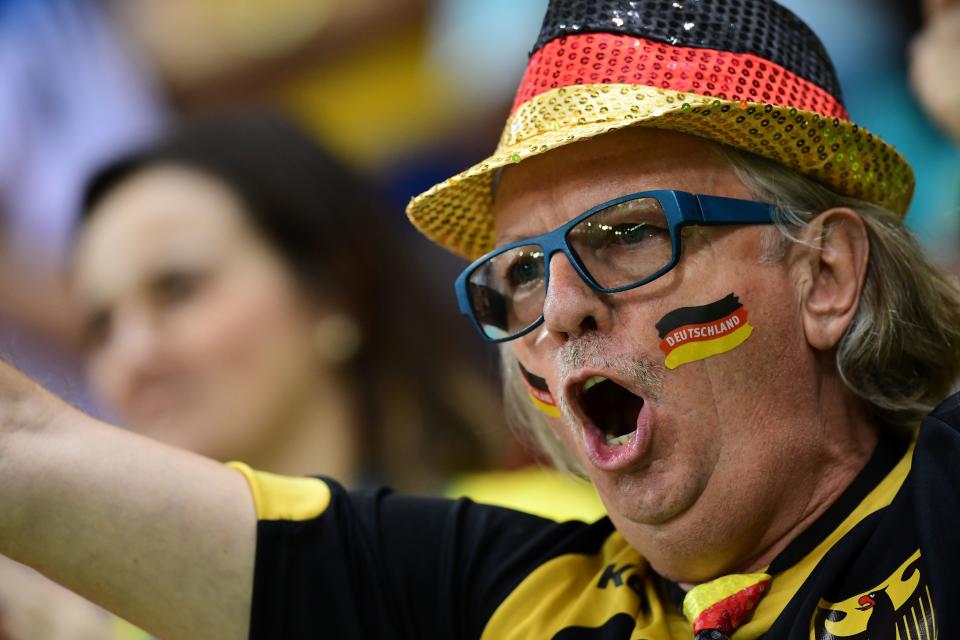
[617, 576]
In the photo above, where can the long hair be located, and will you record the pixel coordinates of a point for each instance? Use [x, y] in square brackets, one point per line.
[901, 352]
[329, 227]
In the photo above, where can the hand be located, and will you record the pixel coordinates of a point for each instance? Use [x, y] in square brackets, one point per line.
[933, 64]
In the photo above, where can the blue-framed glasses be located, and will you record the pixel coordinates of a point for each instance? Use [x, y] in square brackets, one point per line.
[615, 246]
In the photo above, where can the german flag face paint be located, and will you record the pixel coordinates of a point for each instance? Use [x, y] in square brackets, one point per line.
[694, 333]
[539, 393]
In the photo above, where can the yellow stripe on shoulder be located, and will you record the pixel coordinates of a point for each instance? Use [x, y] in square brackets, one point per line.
[285, 498]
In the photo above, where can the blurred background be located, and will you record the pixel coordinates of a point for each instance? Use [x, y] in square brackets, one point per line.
[405, 91]
[402, 94]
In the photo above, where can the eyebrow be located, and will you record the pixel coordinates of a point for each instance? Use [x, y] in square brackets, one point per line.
[505, 240]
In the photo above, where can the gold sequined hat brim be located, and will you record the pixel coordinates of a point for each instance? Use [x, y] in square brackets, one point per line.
[457, 213]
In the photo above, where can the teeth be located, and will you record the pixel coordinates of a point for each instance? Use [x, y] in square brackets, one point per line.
[622, 440]
[592, 382]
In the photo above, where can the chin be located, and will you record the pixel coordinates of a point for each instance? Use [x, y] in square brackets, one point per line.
[649, 498]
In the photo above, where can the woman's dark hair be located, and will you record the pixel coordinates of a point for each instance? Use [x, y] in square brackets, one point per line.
[327, 224]
[308, 206]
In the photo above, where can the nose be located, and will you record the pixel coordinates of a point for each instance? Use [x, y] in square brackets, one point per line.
[136, 334]
[129, 353]
[571, 306]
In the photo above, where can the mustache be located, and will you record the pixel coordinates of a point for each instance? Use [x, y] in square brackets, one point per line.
[594, 351]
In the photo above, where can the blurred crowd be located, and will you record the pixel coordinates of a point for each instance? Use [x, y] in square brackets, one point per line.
[202, 237]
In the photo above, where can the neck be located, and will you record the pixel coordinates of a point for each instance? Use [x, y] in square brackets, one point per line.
[848, 437]
[824, 494]
[317, 437]
[783, 531]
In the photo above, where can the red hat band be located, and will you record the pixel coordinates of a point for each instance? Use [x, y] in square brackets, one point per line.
[605, 58]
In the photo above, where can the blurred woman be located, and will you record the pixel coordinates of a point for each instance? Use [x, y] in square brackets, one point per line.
[932, 64]
[242, 299]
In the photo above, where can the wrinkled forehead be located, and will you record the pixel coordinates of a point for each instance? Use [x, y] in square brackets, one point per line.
[545, 191]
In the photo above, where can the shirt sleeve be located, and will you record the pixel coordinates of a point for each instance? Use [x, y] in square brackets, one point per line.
[334, 564]
[935, 491]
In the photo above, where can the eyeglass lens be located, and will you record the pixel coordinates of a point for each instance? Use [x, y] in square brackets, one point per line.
[617, 246]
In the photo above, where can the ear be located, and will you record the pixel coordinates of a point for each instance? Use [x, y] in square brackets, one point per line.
[834, 266]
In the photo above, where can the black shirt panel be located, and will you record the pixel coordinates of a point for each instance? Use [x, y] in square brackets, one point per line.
[380, 565]
[881, 563]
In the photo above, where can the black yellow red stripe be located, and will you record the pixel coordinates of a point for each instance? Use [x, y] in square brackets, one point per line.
[694, 333]
[761, 27]
[539, 393]
[607, 58]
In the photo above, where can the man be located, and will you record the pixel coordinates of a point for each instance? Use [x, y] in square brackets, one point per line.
[743, 395]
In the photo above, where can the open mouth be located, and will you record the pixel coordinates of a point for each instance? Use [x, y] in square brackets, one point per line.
[613, 409]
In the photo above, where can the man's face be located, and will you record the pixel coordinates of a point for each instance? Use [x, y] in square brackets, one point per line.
[705, 442]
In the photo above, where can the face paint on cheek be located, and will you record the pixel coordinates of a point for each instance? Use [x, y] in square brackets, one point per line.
[690, 334]
[539, 393]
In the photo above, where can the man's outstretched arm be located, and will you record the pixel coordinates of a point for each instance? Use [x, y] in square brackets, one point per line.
[162, 537]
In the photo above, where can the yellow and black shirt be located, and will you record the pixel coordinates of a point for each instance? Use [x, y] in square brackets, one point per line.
[879, 564]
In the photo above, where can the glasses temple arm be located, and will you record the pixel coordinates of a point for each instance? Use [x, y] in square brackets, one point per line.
[720, 210]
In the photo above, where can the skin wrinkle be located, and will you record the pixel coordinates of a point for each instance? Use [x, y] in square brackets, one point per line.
[737, 439]
[837, 470]
[836, 467]
[714, 376]
[900, 375]
[839, 466]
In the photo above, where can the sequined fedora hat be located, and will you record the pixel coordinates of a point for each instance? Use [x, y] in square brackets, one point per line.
[746, 73]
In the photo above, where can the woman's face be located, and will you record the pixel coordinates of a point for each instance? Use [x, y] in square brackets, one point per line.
[196, 332]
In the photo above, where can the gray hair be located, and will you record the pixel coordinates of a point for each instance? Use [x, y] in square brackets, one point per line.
[901, 352]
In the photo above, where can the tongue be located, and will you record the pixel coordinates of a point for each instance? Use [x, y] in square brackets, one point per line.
[620, 441]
